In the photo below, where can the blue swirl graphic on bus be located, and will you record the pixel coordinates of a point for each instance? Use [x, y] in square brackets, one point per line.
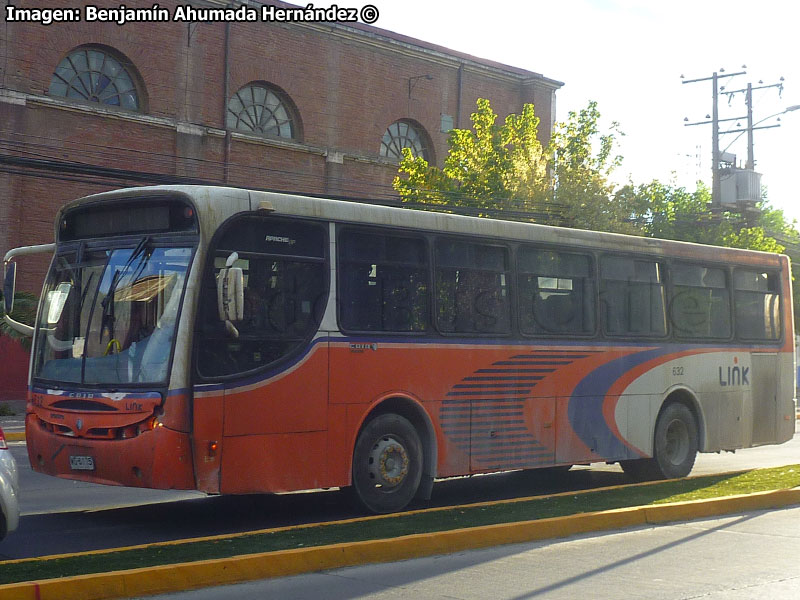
[585, 408]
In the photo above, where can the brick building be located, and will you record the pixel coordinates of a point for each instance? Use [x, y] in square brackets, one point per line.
[305, 107]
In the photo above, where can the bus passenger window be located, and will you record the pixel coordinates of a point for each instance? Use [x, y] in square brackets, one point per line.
[757, 300]
[472, 288]
[285, 293]
[632, 297]
[700, 304]
[383, 282]
[556, 292]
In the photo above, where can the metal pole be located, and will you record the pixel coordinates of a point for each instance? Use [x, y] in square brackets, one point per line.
[716, 190]
[751, 163]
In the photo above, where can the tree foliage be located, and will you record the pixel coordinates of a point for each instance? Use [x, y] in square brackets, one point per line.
[583, 161]
[504, 167]
[664, 211]
[488, 167]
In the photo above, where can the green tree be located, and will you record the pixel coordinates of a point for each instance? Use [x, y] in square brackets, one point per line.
[673, 213]
[583, 161]
[489, 167]
[665, 211]
[752, 238]
[505, 167]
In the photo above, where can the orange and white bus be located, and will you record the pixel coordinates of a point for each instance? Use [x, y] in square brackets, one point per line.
[235, 341]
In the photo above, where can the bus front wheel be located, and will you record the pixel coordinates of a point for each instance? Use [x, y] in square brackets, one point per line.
[387, 464]
[675, 446]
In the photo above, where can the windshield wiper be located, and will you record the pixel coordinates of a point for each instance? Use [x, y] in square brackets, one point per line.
[144, 247]
[144, 244]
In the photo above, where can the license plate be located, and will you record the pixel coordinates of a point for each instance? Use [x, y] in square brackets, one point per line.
[81, 463]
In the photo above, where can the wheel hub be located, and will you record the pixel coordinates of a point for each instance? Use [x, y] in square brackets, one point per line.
[677, 438]
[388, 462]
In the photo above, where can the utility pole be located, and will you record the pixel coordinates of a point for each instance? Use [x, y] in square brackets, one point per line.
[746, 178]
[748, 92]
[751, 161]
[716, 190]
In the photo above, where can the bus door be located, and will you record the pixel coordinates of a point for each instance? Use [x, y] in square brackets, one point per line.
[764, 396]
[275, 428]
[263, 303]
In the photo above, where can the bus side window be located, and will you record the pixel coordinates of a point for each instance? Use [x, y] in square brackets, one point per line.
[632, 296]
[700, 304]
[757, 301]
[472, 287]
[384, 282]
[556, 292]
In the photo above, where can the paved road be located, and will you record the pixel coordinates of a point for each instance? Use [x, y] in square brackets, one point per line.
[743, 557]
[61, 516]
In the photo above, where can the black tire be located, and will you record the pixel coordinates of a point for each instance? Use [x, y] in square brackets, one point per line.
[675, 446]
[387, 464]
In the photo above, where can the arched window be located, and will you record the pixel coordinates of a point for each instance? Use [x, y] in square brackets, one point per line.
[264, 109]
[93, 74]
[405, 134]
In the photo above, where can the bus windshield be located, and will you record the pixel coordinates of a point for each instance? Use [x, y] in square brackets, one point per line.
[108, 316]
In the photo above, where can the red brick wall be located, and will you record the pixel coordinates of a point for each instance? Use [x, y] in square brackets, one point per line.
[348, 87]
[13, 370]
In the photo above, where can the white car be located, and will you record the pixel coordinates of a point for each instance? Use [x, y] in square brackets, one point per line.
[9, 489]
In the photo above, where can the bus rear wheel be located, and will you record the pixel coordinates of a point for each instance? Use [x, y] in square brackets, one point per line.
[675, 446]
[387, 464]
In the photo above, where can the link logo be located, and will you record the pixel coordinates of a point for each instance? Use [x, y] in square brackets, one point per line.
[734, 375]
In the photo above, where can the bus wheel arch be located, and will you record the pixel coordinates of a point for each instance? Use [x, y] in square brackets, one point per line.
[689, 399]
[677, 438]
[396, 429]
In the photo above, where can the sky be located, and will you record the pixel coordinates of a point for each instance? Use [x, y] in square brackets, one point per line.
[628, 56]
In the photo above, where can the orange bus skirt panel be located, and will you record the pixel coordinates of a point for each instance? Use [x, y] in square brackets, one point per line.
[493, 406]
[274, 462]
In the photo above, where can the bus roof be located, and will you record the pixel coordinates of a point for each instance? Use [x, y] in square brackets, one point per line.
[223, 202]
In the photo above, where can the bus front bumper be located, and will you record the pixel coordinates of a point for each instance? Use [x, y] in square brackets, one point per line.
[159, 459]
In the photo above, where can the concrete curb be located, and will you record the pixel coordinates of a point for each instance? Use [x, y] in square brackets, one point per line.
[208, 573]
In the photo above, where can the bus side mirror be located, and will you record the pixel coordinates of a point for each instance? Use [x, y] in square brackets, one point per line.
[230, 294]
[10, 281]
[9, 284]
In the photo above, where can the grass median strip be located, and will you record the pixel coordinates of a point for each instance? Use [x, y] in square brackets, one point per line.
[369, 528]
